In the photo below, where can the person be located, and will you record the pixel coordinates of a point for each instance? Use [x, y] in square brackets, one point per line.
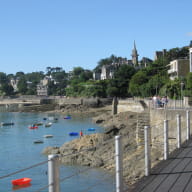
[81, 133]
[154, 101]
[164, 101]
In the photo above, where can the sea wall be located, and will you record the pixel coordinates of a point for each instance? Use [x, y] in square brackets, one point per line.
[157, 117]
[125, 105]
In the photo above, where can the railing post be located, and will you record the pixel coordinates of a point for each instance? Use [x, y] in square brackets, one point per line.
[166, 142]
[188, 124]
[178, 131]
[53, 173]
[119, 162]
[147, 151]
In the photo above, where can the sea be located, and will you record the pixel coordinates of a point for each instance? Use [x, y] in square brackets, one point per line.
[20, 157]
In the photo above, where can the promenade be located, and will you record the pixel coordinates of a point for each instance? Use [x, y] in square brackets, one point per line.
[173, 175]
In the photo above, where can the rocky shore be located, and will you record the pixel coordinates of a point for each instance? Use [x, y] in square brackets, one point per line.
[97, 150]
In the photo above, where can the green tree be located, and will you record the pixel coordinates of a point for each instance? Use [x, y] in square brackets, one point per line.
[22, 85]
[3, 78]
[188, 91]
[136, 81]
[7, 89]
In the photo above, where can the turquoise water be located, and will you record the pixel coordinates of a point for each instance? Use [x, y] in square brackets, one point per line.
[18, 152]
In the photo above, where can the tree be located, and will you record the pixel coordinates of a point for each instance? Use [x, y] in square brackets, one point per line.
[3, 78]
[136, 81]
[7, 89]
[188, 91]
[77, 71]
[22, 85]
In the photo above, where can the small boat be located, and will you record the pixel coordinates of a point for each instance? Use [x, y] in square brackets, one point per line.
[48, 124]
[48, 136]
[37, 141]
[38, 124]
[33, 127]
[73, 133]
[67, 117]
[91, 129]
[21, 181]
[6, 124]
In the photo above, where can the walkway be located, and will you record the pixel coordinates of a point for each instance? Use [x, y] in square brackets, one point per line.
[173, 175]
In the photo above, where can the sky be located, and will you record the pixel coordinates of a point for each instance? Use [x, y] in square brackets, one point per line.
[36, 34]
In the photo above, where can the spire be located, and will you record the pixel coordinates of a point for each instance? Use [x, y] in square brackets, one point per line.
[134, 55]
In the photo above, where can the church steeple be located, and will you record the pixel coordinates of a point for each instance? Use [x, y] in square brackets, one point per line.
[134, 55]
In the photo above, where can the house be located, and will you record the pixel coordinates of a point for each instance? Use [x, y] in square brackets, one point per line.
[14, 83]
[178, 68]
[42, 90]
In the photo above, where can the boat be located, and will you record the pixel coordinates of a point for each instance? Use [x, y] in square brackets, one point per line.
[37, 141]
[38, 124]
[91, 129]
[48, 136]
[73, 133]
[33, 127]
[6, 124]
[67, 117]
[21, 181]
[48, 124]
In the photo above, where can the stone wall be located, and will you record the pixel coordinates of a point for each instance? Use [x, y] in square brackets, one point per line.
[130, 105]
[157, 118]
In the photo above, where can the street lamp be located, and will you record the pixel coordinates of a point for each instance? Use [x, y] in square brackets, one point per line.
[182, 85]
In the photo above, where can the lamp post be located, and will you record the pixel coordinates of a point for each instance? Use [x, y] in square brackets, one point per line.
[182, 84]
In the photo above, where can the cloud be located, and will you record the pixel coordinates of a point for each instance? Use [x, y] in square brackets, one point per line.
[189, 34]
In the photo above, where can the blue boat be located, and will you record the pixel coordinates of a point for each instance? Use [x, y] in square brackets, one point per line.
[73, 133]
[67, 117]
[91, 129]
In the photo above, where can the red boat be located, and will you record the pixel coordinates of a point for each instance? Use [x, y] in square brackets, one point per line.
[33, 127]
[21, 181]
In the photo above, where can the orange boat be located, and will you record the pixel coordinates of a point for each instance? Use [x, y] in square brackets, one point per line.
[21, 181]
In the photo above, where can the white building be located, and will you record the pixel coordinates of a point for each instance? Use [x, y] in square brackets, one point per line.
[178, 68]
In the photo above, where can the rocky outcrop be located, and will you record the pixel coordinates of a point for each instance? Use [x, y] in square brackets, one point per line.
[97, 150]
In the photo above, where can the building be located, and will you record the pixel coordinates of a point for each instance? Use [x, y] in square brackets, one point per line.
[178, 68]
[159, 54]
[14, 83]
[42, 90]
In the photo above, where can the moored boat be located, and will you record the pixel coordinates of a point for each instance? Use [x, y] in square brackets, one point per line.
[38, 124]
[91, 129]
[37, 141]
[48, 136]
[73, 133]
[6, 124]
[48, 124]
[67, 117]
[21, 181]
[33, 127]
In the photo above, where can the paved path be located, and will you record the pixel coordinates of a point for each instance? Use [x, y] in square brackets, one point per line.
[173, 175]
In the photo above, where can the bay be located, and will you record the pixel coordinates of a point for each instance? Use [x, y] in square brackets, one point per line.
[18, 152]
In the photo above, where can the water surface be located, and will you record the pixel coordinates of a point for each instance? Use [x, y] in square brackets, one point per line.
[18, 151]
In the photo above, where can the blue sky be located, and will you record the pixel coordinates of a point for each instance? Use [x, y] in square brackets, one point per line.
[35, 34]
